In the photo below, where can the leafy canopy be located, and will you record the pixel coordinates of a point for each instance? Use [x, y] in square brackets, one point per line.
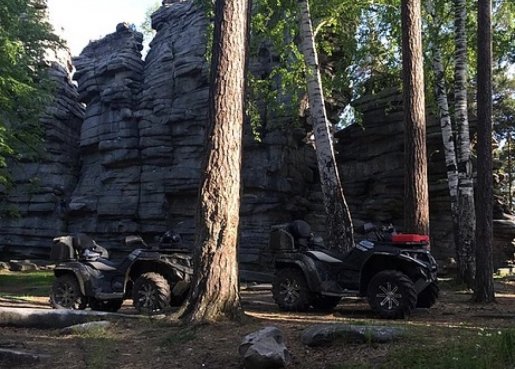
[25, 36]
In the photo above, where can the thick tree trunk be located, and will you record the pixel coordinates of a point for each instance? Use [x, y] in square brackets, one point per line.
[510, 197]
[467, 217]
[339, 222]
[214, 293]
[445, 122]
[484, 288]
[416, 204]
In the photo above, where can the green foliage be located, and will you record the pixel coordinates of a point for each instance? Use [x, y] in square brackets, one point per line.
[146, 26]
[25, 36]
[504, 131]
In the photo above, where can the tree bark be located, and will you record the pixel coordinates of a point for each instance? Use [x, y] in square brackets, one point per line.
[214, 294]
[445, 121]
[339, 222]
[416, 204]
[484, 288]
[467, 217]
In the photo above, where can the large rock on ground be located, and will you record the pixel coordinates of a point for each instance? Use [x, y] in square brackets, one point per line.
[325, 334]
[264, 349]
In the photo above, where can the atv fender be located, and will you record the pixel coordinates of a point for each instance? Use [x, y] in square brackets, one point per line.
[376, 263]
[304, 264]
[74, 270]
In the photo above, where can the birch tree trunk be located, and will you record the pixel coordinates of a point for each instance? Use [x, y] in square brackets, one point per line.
[445, 120]
[214, 293]
[467, 216]
[339, 222]
[484, 288]
[416, 204]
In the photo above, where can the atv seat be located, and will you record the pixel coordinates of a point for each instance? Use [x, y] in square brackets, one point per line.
[104, 265]
[82, 242]
[62, 249]
[281, 240]
[291, 236]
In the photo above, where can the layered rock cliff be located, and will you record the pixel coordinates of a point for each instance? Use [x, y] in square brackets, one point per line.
[124, 152]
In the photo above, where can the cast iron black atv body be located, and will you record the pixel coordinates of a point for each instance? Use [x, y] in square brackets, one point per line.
[154, 278]
[396, 272]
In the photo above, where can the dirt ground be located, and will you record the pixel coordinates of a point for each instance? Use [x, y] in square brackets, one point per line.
[151, 343]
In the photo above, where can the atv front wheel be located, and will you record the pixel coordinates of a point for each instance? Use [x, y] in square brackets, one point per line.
[290, 290]
[392, 294]
[427, 297]
[151, 293]
[65, 293]
[105, 305]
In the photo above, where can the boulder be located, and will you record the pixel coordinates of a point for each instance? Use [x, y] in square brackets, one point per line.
[264, 349]
[325, 334]
[22, 266]
[15, 357]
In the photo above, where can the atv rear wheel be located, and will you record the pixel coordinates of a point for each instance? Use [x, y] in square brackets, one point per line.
[105, 305]
[151, 293]
[290, 290]
[392, 294]
[324, 303]
[427, 297]
[66, 294]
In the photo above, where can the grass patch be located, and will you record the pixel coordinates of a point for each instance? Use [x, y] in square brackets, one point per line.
[98, 346]
[475, 349]
[25, 284]
[180, 336]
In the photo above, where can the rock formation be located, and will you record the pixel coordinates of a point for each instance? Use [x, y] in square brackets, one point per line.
[129, 162]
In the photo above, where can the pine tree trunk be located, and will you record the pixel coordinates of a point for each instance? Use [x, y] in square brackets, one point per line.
[510, 197]
[484, 288]
[467, 217]
[416, 204]
[339, 222]
[445, 121]
[214, 293]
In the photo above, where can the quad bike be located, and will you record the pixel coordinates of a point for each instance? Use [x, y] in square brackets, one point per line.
[154, 277]
[396, 272]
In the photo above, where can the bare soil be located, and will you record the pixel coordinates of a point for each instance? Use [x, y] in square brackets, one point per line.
[151, 343]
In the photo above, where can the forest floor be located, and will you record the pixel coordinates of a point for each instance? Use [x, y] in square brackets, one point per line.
[455, 333]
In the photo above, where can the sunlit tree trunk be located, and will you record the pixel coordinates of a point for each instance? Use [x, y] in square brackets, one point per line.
[214, 293]
[339, 222]
[467, 218]
[510, 195]
[484, 287]
[416, 204]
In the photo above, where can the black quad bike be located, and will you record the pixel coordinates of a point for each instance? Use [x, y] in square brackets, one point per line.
[154, 277]
[396, 272]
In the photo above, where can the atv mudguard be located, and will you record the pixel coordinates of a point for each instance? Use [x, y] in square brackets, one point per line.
[76, 269]
[304, 263]
[414, 269]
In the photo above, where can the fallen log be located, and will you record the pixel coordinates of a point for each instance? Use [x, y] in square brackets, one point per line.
[58, 318]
